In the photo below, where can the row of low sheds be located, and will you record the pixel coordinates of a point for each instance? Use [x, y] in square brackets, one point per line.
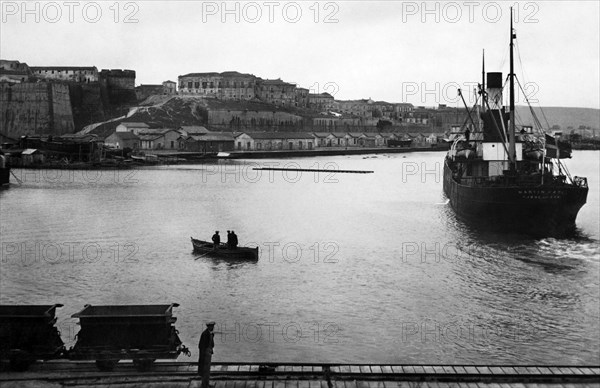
[142, 333]
[138, 136]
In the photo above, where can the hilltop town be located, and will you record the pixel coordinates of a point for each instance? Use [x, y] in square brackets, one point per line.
[205, 112]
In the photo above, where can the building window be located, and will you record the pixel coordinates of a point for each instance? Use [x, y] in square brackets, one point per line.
[204, 84]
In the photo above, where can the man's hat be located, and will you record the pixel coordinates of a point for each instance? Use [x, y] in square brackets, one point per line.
[211, 323]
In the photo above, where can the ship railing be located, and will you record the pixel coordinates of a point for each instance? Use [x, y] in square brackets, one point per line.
[505, 181]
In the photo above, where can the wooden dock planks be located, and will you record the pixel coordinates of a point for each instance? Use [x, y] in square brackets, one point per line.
[298, 375]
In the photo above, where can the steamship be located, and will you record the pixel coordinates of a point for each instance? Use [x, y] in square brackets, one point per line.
[514, 180]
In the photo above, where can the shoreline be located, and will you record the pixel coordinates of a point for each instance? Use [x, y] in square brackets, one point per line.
[166, 158]
[330, 152]
[175, 158]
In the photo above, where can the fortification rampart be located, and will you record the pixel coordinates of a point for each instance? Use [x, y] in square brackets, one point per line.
[35, 109]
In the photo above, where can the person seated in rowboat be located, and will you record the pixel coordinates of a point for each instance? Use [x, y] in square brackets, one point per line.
[234, 240]
[229, 240]
[216, 240]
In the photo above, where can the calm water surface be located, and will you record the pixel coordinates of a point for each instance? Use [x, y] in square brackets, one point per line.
[353, 267]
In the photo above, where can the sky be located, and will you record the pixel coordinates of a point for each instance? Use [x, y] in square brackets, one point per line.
[397, 51]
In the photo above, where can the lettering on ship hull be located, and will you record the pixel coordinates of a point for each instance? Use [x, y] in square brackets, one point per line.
[541, 194]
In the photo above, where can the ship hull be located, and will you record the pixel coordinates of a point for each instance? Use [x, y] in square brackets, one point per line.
[544, 210]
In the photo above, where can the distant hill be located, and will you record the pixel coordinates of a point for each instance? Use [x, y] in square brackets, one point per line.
[565, 117]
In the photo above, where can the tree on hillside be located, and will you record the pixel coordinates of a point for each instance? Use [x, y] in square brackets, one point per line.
[383, 124]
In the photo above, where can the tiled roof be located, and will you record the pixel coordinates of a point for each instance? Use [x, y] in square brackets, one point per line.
[92, 68]
[215, 74]
[236, 74]
[127, 136]
[155, 131]
[275, 82]
[150, 137]
[214, 137]
[279, 135]
[132, 124]
[193, 129]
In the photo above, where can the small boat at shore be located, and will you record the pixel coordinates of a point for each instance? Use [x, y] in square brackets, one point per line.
[224, 252]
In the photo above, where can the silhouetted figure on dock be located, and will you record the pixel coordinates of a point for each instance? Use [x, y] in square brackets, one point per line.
[216, 239]
[234, 240]
[205, 347]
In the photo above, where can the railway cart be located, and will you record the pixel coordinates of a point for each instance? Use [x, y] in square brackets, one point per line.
[27, 334]
[142, 333]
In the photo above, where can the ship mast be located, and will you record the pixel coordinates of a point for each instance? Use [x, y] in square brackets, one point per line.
[483, 81]
[511, 133]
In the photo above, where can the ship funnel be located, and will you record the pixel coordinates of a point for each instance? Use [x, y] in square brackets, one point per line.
[494, 90]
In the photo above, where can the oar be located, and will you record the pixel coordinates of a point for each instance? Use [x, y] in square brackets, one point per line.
[199, 257]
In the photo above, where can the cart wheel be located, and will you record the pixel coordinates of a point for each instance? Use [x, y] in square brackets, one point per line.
[143, 364]
[106, 365]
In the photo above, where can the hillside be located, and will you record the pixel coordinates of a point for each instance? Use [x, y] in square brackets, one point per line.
[175, 111]
[565, 117]
[157, 112]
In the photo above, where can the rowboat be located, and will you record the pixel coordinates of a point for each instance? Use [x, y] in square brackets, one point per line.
[224, 252]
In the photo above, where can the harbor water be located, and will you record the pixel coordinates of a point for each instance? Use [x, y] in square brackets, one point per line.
[363, 268]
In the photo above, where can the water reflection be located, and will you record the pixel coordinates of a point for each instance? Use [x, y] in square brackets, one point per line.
[229, 264]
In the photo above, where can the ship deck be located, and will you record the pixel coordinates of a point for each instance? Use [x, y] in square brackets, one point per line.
[301, 375]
